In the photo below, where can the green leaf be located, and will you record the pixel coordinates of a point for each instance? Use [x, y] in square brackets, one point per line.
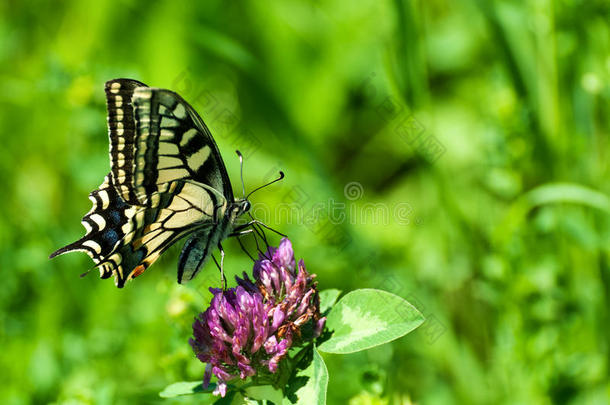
[328, 298]
[232, 398]
[366, 318]
[265, 392]
[313, 391]
[186, 388]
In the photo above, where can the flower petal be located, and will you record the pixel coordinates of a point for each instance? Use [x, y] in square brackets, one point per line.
[284, 255]
[319, 327]
[271, 345]
[278, 318]
[221, 389]
[267, 311]
[207, 375]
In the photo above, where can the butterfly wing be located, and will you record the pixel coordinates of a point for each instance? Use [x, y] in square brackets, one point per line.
[124, 240]
[194, 255]
[167, 180]
[122, 135]
[157, 137]
[172, 143]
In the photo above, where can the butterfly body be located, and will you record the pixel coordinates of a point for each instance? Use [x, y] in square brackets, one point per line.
[167, 181]
[195, 253]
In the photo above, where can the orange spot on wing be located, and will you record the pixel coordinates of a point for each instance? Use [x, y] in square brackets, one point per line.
[137, 244]
[138, 270]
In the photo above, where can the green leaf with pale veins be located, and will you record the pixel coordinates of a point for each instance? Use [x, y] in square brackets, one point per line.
[366, 318]
[328, 298]
[186, 388]
[316, 383]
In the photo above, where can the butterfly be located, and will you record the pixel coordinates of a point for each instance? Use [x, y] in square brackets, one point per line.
[167, 181]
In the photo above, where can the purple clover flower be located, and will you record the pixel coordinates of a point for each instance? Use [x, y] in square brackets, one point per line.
[248, 330]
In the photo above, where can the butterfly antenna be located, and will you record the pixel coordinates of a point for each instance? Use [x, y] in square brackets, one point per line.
[265, 185]
[241, 172]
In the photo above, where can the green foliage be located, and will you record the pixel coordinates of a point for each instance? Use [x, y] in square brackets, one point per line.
[314, 389]
[328, 297]
[514, 283]
[185, 388]
[367, 318]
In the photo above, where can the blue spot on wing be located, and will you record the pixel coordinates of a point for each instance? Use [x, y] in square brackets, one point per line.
[114, 217]
[111, 236]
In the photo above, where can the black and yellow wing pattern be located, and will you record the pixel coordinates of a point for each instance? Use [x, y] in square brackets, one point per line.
[167, 180]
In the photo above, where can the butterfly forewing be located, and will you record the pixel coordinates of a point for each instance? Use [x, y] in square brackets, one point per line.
[122, 133]
[173, 143]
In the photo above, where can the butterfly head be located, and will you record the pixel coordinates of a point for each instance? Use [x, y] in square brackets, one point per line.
[240, 207]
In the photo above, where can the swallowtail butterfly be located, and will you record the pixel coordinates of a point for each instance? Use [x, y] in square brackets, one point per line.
[167, 181]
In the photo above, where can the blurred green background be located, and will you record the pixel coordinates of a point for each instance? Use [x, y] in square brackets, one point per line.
[453, 153]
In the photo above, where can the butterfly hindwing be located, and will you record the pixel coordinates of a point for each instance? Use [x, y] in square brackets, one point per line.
[125, 240]
[194, 255]
[103, 223]
[179, 209]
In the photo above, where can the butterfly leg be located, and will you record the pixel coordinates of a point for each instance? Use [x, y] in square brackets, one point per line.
[241, 230]
[258, 229]
[215, 261]
[259, 223]
[223, 279]
[237, 235]
[257, 226]
[259, 232]
[240, 233]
